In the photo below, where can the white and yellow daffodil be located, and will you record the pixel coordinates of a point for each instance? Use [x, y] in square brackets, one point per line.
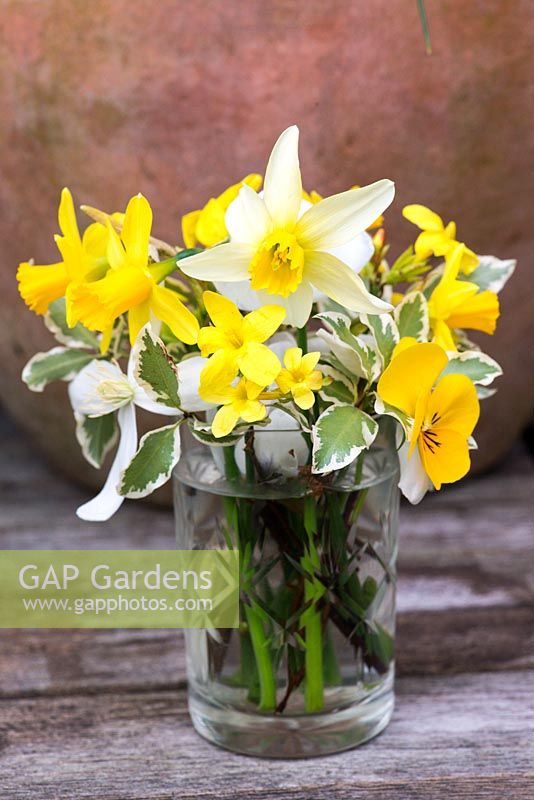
[84, 259]
[238, 340]
[278, 257]
[300, 379]
[438, 414]
[131, 285]
[460, 304]
[206, 226]
[437, 238]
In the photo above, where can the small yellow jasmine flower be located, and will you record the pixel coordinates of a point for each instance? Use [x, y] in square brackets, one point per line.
[131, 284]
[442, 413]
[300, 378]
[436, 238]
[238, 340]
[206, 225]
[460, 304]
[238, 402]
[84, 259]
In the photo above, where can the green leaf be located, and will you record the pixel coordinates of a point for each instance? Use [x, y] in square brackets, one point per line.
[96, 436]
[155, 371]
[157, 455]
[385, 333]
[339, 436]
[411, 316]
[58, 364]
[201, 431]
[491, 273]
[479, 367]
[352, 352]
[55, 320]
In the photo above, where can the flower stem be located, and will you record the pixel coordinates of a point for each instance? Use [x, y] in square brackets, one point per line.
[313, 636]
[264, 664]
[302, 339]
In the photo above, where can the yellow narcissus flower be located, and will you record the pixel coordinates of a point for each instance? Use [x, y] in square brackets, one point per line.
[131, 284]
[277, 256]
[300, 378]
[84, 259]
[237, 341]
[436, 238]
[440, 416]
[460, 304]
[237, 402]
[206, 225]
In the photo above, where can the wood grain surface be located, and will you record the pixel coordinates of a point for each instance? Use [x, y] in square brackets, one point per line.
[103, 714]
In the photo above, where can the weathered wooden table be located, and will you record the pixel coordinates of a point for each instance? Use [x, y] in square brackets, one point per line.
[102, 714]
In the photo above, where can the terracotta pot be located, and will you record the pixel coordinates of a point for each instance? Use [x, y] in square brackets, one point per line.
[179, 99]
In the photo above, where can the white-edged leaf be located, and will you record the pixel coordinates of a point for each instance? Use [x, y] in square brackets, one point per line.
[386, 409]
[294, 412]
[491, 273]
[57, 364]
[201, 431]
[96, 436]
[432, 280]
[154, 369]
[385, 334]
[79, 336]
[483, 392]
[339, 436]
[411, 316]
[152, 465]
[340, 389]
[479, 367]
[351, 351]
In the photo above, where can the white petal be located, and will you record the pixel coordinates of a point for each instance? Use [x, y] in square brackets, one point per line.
[337, 281]
[239, 293]
[414, 482]
[354, 253]
[343, 352]
[283, 185]
[225, 262]
[278, 446]
[298, 305]
[247, 219]
[83, 389]
[108, 501]
[188, 382]
[337, 219]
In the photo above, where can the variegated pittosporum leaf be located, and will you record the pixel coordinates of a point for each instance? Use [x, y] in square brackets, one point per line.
[152, 465]
[96, 436]
[479, 367]
[58, 364]
[154, 369]
[385, 333]
[339, 436]
[351, 351]
[411, 316]
[78, 336]
[491, 273]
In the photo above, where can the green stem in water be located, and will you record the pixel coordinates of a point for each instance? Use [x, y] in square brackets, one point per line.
[313, 636]
[262, 655]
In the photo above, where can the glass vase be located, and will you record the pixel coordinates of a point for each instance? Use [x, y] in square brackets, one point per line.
[310, 670]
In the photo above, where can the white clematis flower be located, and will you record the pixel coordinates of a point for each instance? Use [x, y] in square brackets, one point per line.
[277, 256]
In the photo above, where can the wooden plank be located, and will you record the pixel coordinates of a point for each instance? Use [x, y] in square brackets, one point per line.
[464, 733]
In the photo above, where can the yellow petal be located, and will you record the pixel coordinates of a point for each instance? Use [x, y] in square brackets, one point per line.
[211, 228]
[403, 344]
[431, 243]
[99, 303]
[67, 217]
[138, 316]
[40, 285]
[223, 313]
[106, 339]
[189, 227]
[167, 307]
[136, 230]
[411, 374]
[423, 217]
[224, 421]
[259, 364]
[254, 411]
[442, 335]
[261, 324]
[454, 405]
[95, 240]
[447, 462]
[216, 378]
[303, 397]
[469, 261]
[115, 252]
[479, 312]
[211, 339]
[293, 358]
[309, 361]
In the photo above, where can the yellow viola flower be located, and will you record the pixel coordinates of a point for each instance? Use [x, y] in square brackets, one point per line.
[131, 285]
[84, 259]
[237, 402]
[441, 415]
[206, 225]
[436, 238]
[300, 378]
[276, 255]
[460, 304]
[237, 340]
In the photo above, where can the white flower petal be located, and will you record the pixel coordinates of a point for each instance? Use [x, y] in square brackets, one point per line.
[239, 293]
[108, 500]
[247, 219]
[356, 252]
[337, 281]
[83, 389]
[283, 185]
[298, 305]
[188, 382]
[414, 483]
[337, 219]
[225, 262]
